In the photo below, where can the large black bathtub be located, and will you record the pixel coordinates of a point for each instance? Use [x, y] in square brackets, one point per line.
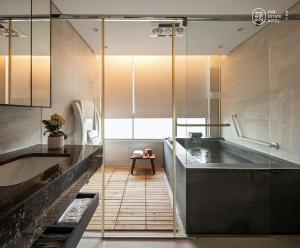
[223, 188]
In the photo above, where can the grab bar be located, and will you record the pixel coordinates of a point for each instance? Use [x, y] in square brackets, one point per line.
[242, 137]
[203, 125]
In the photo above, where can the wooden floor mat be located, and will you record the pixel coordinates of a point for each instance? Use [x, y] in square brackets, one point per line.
[138, 202]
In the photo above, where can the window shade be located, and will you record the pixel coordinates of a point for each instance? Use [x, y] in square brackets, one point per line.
[153, 86]
[118, 86]
[152, 82]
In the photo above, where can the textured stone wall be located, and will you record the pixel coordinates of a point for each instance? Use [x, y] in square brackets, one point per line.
[19, 127]
[261, 84]
[75, 73]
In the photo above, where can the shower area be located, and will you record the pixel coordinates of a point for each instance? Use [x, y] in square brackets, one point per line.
[216, 101]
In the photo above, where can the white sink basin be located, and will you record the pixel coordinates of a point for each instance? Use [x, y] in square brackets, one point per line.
[23, 169]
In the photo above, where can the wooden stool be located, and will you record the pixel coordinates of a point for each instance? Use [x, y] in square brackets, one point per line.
[151, 158]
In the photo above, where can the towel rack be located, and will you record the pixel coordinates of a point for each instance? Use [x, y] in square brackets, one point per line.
[242, 137]
[203, 125]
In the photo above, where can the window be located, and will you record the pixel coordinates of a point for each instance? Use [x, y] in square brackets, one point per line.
[184, 132]
[138, 128]
[118, 128]
[152, 128]
[130, 109]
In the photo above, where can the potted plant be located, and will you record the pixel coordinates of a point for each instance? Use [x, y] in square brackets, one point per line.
[53, 126]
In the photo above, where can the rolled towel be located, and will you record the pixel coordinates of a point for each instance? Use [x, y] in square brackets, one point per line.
[138, 153]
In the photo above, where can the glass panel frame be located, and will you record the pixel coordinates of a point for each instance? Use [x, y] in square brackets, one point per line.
[103, 123]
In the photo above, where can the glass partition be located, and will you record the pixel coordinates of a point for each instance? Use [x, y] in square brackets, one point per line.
[240, 121]
[179, 126]
[138, 115]
[227, 111]
[284, 89]
[227, 92]
[25, 53]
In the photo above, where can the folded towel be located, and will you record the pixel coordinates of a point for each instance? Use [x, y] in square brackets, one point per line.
[75, 211]
[138, 153]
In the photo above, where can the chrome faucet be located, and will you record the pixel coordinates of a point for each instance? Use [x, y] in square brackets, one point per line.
[196, 137]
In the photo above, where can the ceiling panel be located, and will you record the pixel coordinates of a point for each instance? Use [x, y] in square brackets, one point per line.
[201, 37]
[170, 7]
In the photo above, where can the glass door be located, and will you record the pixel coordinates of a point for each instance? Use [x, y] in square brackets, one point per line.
[134, 91]
[77, 80]
[139, 109]
[227, 116]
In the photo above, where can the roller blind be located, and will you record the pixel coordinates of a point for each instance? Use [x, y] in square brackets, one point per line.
[118, 87]
[150, 78]
[153, 86]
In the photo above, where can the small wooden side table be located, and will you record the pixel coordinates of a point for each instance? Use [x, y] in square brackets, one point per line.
[151, 158]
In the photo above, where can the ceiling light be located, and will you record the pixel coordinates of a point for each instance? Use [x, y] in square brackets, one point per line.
[159, 29]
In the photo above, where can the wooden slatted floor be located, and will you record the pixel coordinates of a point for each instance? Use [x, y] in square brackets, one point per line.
[138, 202]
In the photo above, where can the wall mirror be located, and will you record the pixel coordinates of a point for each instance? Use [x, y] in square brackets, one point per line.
[25, 53]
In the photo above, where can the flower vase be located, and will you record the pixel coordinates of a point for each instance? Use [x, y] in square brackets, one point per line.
[55, 142]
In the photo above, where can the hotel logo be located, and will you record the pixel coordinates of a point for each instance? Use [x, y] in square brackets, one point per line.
[259, 16]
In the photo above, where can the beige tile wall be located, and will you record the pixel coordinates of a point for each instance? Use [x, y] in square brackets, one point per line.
[19, 127]
[261, 83]
[75, 73]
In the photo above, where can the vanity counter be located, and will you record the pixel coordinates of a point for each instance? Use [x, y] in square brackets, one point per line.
[21, 204]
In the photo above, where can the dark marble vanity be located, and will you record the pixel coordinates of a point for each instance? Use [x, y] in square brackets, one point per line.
[28, 203]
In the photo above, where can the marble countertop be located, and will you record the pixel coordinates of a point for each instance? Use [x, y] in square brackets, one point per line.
[11, 197]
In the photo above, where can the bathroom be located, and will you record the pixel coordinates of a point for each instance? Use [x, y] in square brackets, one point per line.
[225, 87]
